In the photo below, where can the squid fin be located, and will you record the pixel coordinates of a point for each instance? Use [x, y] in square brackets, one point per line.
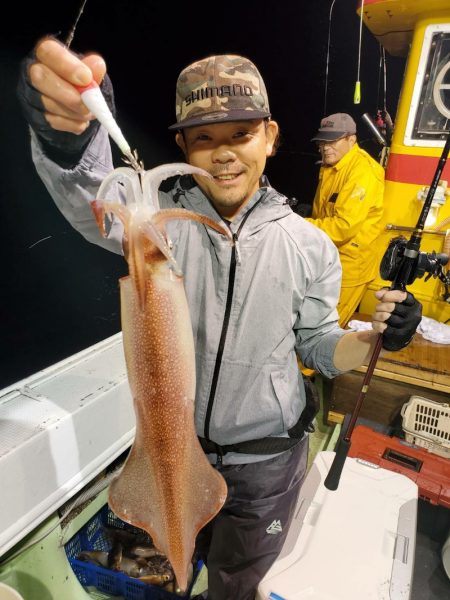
[199, 489]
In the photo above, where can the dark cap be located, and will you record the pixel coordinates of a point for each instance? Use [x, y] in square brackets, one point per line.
[334, 127]
[218, 89]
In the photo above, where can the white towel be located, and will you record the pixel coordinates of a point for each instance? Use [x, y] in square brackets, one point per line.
[434, 331]
[359, 325]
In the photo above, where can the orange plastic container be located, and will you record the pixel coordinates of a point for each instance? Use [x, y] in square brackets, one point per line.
[429, 471]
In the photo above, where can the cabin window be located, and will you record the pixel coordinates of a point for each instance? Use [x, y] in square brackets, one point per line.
[430, 108]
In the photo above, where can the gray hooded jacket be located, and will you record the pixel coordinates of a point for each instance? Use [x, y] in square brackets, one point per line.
[253, 306]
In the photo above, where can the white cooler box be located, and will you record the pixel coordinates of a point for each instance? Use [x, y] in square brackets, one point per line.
[355, 543]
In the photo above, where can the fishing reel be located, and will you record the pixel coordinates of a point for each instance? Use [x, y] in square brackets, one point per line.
[431, 263]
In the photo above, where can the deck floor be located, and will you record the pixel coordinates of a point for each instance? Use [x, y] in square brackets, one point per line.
[430, 581]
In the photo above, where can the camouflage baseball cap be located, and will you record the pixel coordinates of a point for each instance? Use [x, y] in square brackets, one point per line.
[220, 88]
[334, 127]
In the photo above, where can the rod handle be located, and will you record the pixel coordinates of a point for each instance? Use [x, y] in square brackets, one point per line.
[334, 474]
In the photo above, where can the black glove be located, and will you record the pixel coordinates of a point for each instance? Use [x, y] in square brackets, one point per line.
[64, 148]
[402, 324]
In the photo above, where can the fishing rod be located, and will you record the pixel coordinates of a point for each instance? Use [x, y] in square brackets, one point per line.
[402, 263]
[327, 59]
[357, 92]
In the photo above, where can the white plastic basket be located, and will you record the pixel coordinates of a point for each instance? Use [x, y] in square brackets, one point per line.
[427, 424]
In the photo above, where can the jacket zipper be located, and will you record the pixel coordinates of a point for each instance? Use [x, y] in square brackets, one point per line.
[234, 261]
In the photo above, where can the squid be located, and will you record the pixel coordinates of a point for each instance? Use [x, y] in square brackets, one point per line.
[167, 487]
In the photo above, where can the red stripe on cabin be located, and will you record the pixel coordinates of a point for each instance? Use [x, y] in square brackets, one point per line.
[408, 168]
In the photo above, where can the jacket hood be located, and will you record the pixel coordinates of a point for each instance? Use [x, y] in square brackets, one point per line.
[271, 205]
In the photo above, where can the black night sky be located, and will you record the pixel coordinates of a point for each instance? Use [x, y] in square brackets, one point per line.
[58, 293]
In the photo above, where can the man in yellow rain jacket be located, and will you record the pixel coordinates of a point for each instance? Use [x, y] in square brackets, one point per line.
[348, 206]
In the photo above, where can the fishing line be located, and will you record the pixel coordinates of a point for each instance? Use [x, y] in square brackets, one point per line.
[94, 100]
[357, 94]
[327, 60]
[383, 53]
[71, 33]
[383, 118]
[380, 67]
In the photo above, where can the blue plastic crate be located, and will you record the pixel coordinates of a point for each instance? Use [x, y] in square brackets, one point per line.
[92, 537]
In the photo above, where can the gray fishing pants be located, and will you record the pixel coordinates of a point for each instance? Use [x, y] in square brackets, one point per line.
[240, 544]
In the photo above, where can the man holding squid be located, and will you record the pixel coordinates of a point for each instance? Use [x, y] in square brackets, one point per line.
[254, 306]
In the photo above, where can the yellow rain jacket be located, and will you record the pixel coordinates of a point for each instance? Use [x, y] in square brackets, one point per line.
[348, 206]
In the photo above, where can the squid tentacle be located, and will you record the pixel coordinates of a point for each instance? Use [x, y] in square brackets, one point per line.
[126, 177]
[168, 214]
[153, 178]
